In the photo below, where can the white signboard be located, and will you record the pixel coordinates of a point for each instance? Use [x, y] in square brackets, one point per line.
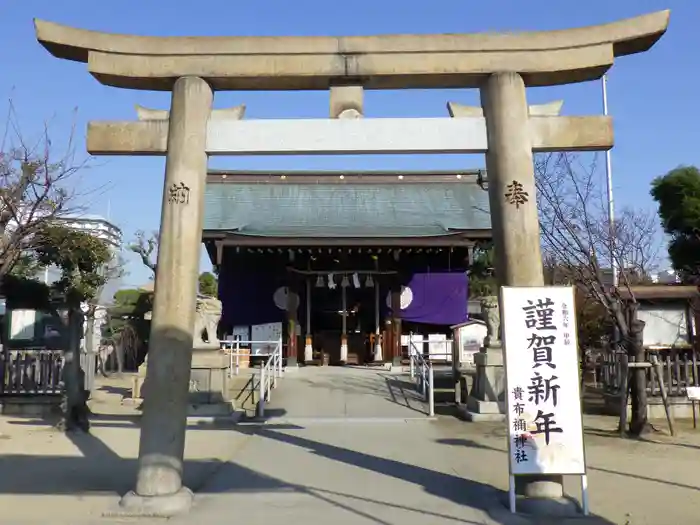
[693, 393]
[22, 324]
[542, 377]
[240, 333]
[438, 348]
[270, 333]
[665, 325]
[471, 339]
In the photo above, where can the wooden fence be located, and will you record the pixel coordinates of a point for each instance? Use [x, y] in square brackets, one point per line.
[31, 372]
[680, 369]
[37, 371]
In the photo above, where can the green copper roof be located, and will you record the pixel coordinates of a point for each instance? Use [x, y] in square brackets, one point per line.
[345, 210]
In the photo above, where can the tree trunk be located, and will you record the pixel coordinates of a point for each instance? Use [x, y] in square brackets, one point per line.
[638, 422]
[119, 355]
[74, 399]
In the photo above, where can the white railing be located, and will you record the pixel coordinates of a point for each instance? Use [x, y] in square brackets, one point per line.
[239, 348]
[421, 370]
[269, 372]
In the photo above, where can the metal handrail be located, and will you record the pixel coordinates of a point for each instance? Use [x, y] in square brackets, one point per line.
[270, 371]
[233, 349]
[425, 379]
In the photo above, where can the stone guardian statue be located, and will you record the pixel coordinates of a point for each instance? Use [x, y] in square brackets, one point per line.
[492, 316]
[208, 314]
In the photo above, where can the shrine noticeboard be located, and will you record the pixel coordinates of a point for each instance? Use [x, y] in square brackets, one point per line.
[545, 430]
[265, 337]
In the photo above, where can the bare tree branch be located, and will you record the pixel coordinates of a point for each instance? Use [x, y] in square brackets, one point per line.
[577, 235]
[37, 187]
[146, 248]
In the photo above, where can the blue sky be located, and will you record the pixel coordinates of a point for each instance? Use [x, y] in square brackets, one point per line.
[653, 97]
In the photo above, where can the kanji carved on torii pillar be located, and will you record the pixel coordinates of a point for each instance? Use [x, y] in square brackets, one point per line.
[500, 65]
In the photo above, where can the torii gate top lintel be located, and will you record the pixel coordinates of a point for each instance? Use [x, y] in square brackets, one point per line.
[376, 62]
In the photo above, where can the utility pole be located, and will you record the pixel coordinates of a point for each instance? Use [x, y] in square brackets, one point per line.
[611, 207]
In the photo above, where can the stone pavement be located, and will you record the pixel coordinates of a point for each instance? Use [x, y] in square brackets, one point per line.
[368, 464]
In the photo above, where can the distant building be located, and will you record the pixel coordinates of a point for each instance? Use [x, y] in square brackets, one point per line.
[666, 277]
[95, 225]
[662, 277]
[102, 229]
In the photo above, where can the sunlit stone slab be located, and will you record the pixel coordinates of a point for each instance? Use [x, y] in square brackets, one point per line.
[349, 136]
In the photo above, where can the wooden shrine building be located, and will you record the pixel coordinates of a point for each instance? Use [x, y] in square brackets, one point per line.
[343, 263]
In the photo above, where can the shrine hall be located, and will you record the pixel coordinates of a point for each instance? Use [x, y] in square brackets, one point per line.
[341, 264]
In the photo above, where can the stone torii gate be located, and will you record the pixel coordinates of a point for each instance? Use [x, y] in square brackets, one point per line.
[192, 68]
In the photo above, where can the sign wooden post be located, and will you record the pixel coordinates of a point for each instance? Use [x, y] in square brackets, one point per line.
[693, 393]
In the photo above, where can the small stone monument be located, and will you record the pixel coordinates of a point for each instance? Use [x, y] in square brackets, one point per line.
[486, 401]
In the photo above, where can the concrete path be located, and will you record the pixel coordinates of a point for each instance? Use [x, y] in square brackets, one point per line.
[317, 393]
[344, 445]
[379, 462]
[434, 472]
[47, 476]
[345, 472]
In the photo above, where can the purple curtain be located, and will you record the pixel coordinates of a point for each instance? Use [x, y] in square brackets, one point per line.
[246, 297]
[438, 298]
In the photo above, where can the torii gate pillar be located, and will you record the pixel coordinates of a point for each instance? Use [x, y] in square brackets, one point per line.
[513, 204]
[159, 486]
[511, 181]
